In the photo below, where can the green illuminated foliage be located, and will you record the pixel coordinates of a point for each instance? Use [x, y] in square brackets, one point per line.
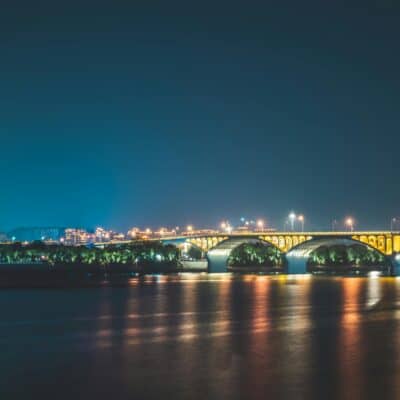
[255, 254]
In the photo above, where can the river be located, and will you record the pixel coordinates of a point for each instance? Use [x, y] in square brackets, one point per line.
[199, 336]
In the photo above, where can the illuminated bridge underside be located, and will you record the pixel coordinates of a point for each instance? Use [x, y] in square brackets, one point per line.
[297, 258]
[305, 249]
[218, 257]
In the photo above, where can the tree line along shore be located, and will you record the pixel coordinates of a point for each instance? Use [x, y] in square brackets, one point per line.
[159, 257]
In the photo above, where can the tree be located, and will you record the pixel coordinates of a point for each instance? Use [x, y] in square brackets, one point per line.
[255, 254]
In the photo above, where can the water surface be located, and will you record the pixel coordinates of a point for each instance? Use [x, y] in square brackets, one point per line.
[203, 336]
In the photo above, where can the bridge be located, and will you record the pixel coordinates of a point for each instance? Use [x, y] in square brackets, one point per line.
[297, 246]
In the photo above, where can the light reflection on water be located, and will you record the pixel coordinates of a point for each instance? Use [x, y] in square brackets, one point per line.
[205, 336]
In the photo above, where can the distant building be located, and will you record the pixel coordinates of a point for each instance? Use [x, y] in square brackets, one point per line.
[102, 235]
[37, 233]
[77, 236]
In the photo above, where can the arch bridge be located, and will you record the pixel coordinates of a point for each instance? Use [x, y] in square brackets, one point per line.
[297, 246]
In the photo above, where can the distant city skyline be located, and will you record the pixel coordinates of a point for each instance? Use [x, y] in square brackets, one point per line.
[293, 222]
[300, 221]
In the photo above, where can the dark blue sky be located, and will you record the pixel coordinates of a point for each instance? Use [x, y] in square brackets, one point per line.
[121, 114]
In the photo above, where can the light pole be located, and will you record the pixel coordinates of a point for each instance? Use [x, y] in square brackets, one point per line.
[350, 223]
[292, 218]
[393, 222]
[260, 225]
[301, 219]
[334, 225]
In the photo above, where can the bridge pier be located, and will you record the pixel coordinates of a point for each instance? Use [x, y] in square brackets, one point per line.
[217, 261]
[296, 265]
[396, 264]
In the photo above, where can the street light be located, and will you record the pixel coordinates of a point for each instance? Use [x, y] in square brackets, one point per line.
[260, 224]
[393, 222]
[350, 223]
[292, 218]
[301, 219]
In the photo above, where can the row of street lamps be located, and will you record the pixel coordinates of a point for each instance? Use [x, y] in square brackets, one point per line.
[349, 223]
[293, 218]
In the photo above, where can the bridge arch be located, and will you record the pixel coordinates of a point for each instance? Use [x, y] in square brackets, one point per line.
[184, 246]
[218, 256]
[190, 251]
[299, 256]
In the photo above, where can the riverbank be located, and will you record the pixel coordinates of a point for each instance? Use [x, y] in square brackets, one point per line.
[45, 275]
[75, 277]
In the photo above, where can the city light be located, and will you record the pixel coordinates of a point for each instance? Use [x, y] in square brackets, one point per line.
[374, 274]
[294, 223]
[301, 220]
[350, 223]
[226, 227]
[292, 219]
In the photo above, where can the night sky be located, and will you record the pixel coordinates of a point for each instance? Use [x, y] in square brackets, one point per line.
[124, 114]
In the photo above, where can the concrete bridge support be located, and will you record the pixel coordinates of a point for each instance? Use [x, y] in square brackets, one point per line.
[296, 265]
[217, 260]
[396, 264]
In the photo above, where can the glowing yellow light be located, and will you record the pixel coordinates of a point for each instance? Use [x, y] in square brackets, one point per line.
[350, 222]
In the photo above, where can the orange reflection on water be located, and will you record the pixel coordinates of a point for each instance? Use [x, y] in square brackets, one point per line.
[260, 291]
[349, 340]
